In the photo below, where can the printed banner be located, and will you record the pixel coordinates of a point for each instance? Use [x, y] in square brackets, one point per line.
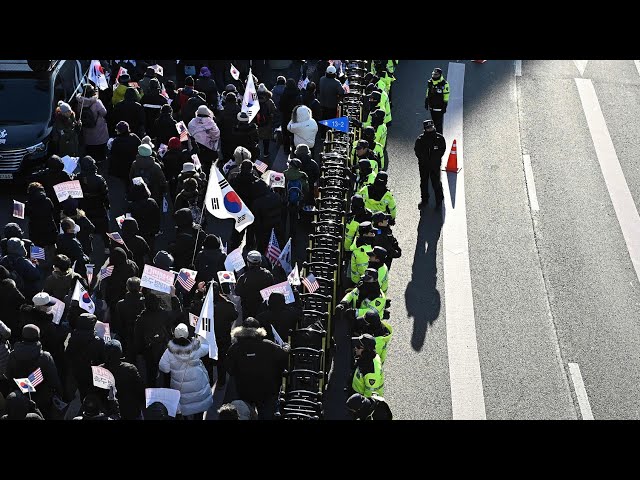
[156, 279]
[283, 288]
[68, 189]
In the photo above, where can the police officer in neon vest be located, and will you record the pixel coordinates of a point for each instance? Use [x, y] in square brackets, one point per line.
[377, 197]
[357, 215]
[384, 237]
[368, 378]
[380, 329]
[360, 251]
[366, 296]
[377, 258]
[437, 97]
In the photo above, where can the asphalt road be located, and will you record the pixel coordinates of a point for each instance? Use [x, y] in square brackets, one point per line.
[550, 287]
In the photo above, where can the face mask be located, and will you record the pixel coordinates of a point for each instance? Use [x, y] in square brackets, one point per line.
[435, 77]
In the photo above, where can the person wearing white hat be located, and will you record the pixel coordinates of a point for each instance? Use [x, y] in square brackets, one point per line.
[206, 133]
[330, 92]
[182, 361]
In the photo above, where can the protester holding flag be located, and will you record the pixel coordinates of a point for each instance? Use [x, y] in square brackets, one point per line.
[182, 361]
[83, 350]
[278, 315]
[206, 84]
[69, 245]
[28, 356]
[310, 167]
[87, 228]
[245, 134]
[256, 364]
[62, 280]
[95, 132]
[52, 175]
[267, 209]
[185, 246]
[21, 407]
[123, 318]
[27, 276]
[249, 284]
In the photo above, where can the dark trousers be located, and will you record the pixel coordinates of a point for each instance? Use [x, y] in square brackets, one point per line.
[267, 407]
[427, 173]
[266, 143]
[97, 152]
[438, 119]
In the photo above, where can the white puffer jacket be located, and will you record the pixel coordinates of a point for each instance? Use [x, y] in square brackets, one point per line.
[303, 126]
[188, 375]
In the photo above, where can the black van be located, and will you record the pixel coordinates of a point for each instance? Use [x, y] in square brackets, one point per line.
[29, 94]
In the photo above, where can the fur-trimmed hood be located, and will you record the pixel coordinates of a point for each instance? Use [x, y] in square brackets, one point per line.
[243, 333]
[186, 350]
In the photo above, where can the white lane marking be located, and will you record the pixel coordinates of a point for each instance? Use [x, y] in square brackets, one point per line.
[621, 198]
[467, 398]
[581, 392]
[518, 65]
[581, 65]
[531, 184]
[637, 62]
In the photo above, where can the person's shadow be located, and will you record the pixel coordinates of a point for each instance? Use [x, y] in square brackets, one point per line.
[422, 299]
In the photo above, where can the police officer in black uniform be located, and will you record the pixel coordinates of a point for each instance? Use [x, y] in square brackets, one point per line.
[429, 148]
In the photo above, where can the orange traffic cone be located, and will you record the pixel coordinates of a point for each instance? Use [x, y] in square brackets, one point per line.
[452, 163]
[478, 61]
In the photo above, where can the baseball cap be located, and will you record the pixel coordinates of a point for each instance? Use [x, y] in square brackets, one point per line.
[365, 341]
[41, 299]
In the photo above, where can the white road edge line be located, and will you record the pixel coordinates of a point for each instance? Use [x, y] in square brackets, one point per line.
[518, 66]
[637, 62]
[531, 184]
[621, 198]
[467, 397]
[581, 392]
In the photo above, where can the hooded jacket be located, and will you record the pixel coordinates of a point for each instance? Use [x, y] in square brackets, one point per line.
[129, 385]
[20, 407]
[248, 289]
[205, 131]
[124, 150]
[130, 111]
[12, 230]
[208, 262]
[52, 336]
[52, 175]
[145, 210]
[84, 349]
[256, 364]
[123, 321]
[151, 172]
[115, 285]
[15, 261]
[246, 135]
[60, 284]
[11, 300]
[188, 375]
[303, 126]
[67, 244]
[135, 243]
[99, 134]
[65, 135]
[119, 93]
[95, 200]
[165, 128]
[268, 110]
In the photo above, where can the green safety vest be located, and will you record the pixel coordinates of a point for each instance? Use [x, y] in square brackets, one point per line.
[383, 274]
[371, 383]
[377, 149]
[377, 304]
[359, 261]
[382, 342]
[386, 204]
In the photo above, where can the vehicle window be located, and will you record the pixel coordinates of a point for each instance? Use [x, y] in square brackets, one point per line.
[25, 100]
[67, 75]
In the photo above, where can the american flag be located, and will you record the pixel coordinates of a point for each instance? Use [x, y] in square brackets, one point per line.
[182, 130]
[115, 236]
[36, 377]
[187, 278]
[311, 283]
[105, 272]
[37, 252]
[261, 166]
[18, 209]
[273, 250]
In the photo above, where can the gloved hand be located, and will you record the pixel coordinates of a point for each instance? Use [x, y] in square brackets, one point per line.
[444, 109]
[340, 307]
[426, 103]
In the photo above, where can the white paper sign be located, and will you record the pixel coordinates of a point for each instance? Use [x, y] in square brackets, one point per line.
[169, 397]
[102, 378]
[226, 277]
[57, 310]
[234, 261]
[193, 320]
[68, 189]
[103, 330]
[283, 288]
[156, 279]
[70, 164]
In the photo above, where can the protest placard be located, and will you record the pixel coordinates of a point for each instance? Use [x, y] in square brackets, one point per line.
[284, 288]
[70, 163]
[102, 378]
[234, 261]
[156, 279]
[169, 397]
[56, 310]
[68, 189]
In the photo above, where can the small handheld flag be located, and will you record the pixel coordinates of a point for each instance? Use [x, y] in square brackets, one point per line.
[36, 377]
[18, 209]
[273, 249]
[261, 166]
[37, 253]
[187, 278]
[311, 283]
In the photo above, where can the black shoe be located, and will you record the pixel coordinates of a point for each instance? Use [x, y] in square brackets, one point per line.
[423, 204]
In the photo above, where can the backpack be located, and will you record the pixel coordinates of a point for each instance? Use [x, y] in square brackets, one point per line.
[184, 97]
[294, 192]
[88, 118]
[9, 264]
[261, 119]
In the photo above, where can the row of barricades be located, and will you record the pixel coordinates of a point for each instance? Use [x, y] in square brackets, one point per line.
[312, 344]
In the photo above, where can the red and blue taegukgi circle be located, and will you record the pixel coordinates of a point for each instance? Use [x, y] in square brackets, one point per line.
[232, 202]
[86, 298]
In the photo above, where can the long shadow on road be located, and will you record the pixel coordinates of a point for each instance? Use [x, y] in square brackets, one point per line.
[422, 298]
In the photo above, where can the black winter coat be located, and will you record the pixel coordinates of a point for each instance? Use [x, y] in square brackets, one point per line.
[124, 150]
[43, 228]
[429, 149]
[123, 321]
[11, 299]
[248, 289]
[165, 128]
[208, 262]
[256, 364]
[267, 210]
[84, 350]
[152, 103]
[95, 201]
[131, 112]
[147, 213]
[67, 244]
[283, 321]
[52, 336]
[129, 387]
[246, 135]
